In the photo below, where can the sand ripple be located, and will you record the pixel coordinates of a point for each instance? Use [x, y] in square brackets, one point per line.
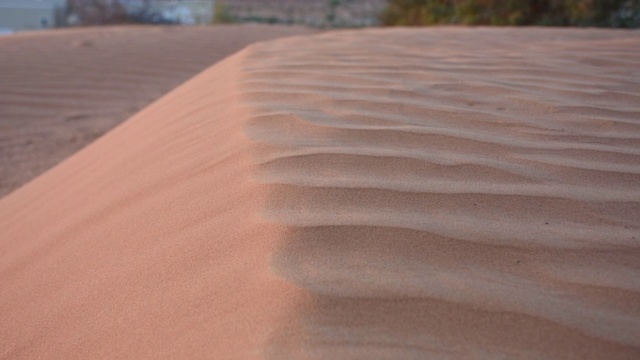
[452, 197]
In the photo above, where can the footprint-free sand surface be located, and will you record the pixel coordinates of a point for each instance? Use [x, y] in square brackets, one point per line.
[60, 90]
[439, 193]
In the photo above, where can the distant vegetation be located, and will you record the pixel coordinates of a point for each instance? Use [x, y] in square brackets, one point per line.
[601, 13]
[314, 13]
[222, 15]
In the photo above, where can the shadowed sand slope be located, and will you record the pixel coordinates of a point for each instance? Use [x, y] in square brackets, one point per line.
[442, 193]
[60, 90]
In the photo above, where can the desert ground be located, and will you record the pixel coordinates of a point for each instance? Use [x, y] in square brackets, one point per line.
[62, 89]
[440, 193]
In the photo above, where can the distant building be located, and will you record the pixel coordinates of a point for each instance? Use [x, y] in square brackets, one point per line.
[184, 12]
[16, 15]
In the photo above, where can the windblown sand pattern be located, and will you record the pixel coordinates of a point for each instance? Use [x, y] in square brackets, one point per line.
[60, 90]
[441, 193]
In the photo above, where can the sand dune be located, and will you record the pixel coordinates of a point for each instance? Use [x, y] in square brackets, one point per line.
[62, 89]
[438, 193]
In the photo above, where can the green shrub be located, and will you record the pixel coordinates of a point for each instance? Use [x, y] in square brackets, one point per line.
[611, 13]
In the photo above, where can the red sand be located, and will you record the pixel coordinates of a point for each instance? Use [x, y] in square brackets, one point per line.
[436, 193]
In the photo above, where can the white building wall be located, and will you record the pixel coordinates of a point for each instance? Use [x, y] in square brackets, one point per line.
[16, 15]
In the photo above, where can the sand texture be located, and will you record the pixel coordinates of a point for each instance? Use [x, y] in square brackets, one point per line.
[442, 193]
[60, 90]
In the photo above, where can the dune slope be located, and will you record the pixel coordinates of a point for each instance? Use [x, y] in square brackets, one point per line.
[441, 193]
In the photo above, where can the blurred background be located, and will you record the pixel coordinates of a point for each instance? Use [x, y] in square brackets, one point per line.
[17, 15]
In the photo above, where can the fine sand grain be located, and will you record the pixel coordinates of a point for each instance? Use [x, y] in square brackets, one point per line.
[382, 194]
[60, 90]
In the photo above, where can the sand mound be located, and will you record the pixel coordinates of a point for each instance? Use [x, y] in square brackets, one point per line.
[447, 193]
[60, 90]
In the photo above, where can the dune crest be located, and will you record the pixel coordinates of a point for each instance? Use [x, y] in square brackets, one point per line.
[148, 243]
[439, 193]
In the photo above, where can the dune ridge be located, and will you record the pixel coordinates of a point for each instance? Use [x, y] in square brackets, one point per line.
[440, 193]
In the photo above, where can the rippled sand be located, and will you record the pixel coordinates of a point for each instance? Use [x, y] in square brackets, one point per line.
[397, 193]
